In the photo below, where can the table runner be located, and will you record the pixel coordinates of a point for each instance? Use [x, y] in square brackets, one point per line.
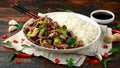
[78, 57]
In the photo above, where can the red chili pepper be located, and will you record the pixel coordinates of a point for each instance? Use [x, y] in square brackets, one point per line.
[94, 61]
[4, 36]
[15, 41]
[57, 61]
[22, 55]
[105, 46]
[105, 55]
[18, 61]
[49, 28]
[116, 31]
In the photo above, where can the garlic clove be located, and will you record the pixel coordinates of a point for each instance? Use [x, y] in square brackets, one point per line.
[13, 22]
[12, 28]
[98, 56]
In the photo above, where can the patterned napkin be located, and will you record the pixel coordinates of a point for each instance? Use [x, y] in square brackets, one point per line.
[78, 57]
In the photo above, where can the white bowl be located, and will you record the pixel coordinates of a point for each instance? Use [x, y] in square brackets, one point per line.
[72, 49]
[102, 21]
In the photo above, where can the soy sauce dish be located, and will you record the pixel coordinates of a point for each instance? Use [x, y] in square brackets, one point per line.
[102, 16]
[74, 22]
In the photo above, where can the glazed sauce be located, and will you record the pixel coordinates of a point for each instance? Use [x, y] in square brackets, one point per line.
[102, 15]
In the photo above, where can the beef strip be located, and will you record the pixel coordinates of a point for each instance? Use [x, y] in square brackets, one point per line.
[72, 34]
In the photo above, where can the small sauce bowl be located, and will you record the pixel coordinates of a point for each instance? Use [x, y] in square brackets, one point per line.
[102, 16]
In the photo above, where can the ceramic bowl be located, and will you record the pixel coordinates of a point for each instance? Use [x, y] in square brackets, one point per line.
[72, 49]
[105, 17]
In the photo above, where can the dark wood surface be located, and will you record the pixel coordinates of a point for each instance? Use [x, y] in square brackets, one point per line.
[43, 6]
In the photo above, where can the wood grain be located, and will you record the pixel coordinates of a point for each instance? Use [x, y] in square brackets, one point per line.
[84, 7]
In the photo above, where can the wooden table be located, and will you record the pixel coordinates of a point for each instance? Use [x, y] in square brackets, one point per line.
[43, 6]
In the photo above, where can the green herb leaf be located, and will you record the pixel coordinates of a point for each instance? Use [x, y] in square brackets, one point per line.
[12, 57]
[8, 43]
[105, 62]
[70, 62]
[64, 10]
[21, 24]
[118, 26]
[113, 50]
[68, 10]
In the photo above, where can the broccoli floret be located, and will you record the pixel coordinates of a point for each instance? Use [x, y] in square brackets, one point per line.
[71, 42]
[43, 31]
[57, 40]
[43, 25]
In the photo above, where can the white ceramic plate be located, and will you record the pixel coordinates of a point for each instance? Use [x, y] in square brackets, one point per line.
[73, 49]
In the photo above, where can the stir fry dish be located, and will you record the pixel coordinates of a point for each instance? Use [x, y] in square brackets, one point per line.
[47, 33]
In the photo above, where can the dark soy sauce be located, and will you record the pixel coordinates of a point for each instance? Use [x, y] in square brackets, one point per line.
[102, 15]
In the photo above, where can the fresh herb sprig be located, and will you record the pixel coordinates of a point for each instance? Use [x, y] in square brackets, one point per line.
[13, 56]
[112, 50]
[118, 26]
[20, 24]
[65, 10]
[8, 43]
[70, 62]
[106, 61]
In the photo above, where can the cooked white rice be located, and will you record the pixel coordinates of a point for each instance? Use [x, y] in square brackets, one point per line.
[81, 28]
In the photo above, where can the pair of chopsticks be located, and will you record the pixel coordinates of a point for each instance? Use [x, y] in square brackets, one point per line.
[22, 9]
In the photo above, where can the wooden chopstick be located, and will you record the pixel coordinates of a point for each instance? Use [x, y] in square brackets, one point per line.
[20, 10]
[25, 11]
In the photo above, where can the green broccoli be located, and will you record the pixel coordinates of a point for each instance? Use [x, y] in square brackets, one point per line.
[43, 31]
[71, 42]
[57, 40]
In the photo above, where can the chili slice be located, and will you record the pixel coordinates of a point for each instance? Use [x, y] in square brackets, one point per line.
[105, 46]
[18, 61]
[94, 61]
[49, 28]
[57, 61]
[116, 31]
[15, 41]
[4, 36]
[105, 55]
[22, 55]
